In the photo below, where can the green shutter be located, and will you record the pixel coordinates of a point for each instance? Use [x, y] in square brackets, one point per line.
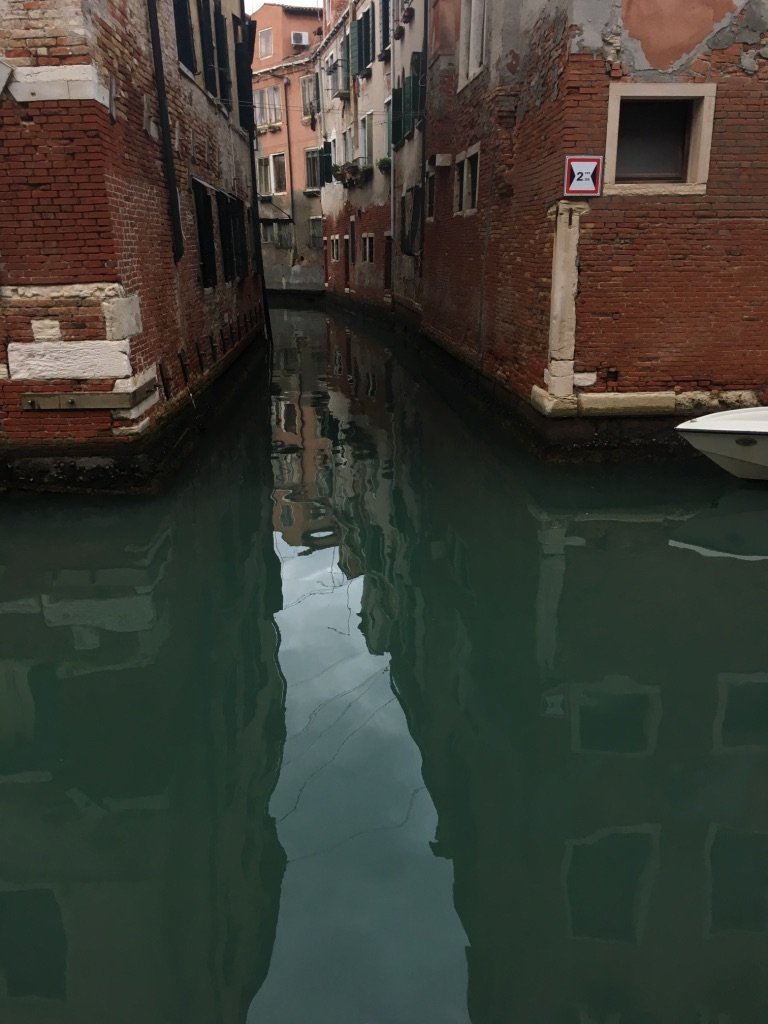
[408, 105]
[354, 50]
[384, 24]
[397, 116]
[327, 164]
[419, 84]
[372, 34]
[346, 70]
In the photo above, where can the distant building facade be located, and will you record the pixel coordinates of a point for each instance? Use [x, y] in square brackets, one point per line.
[289, 156]
[129, 271]
[355, 77]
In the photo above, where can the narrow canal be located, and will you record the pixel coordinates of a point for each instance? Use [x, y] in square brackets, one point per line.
[374, 719]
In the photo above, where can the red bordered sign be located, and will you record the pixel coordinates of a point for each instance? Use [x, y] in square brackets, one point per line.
[583, 176]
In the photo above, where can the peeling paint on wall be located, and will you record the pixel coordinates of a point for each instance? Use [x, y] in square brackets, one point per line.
[669, 29]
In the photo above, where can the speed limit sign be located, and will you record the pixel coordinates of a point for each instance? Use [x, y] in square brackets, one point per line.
[583, 176]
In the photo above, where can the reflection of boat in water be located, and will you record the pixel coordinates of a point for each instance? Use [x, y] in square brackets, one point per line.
[736, 440]
[738, 529]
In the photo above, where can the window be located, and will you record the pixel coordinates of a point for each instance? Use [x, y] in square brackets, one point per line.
[222, 55]
[309, 97]
[466, 181]
[659, 138]
[312, 158]
[268, 231]
[458, 202]
[271, 174]
[278, 172]
[362, 42]
[268, 106]
[471, 40]
[206, 43]
[352, 240]
[205, 239]
[388, 109]
[348, 153]
[226, 237]
[335, 248]
[367, 241]
[332, 73]
[283, 234]
[265, 43]
[315, 232]
[384, 24]
[264, 175]
[430, 195]
[366, 139]
[185, 40]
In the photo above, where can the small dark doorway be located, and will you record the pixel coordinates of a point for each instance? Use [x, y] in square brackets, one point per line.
[388, 263]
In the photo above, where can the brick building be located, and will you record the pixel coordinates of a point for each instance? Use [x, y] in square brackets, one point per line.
[647, 299]
[286, 106]
[128, 270]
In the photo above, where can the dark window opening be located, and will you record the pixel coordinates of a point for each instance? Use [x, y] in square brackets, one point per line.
[430, 195]
[222, 56]
[473, 164]
[352, 241]
[314, 178]
[206, 43]
[205, 238]
[225, 235]
[654, 137]
[384, 24]
[185, 40]
[460, 187]
[237, 213]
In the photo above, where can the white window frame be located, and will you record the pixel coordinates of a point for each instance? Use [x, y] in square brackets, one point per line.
[366, 158]
[472, 34]
[699, 144]
[367, 247]
[335, 249]
[466, 197]
[271, 108]
[317, 150]
[315, 100]
[263, 34]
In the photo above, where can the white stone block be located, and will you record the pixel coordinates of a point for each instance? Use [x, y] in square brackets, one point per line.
[561, 387]
[122, 317]
[627, 403]
[584, 380]
[69, 360]
[46, 330]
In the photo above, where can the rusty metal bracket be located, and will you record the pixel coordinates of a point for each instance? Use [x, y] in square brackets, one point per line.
[75, 400]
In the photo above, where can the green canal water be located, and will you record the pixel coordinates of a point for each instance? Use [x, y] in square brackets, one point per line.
[374, 719]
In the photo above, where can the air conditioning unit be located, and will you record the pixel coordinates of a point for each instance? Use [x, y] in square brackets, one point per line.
[299, 38]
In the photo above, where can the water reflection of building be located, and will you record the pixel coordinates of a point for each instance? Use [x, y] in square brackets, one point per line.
[591, 712]
[304, 432]
[142, 729]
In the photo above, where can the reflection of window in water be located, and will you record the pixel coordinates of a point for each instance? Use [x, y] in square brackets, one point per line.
[286, 515]
[616, 716]
[739, 872]
[742, 716]
[289, 360]
[33, 946]
[338, 362]
[371, 385]
[289, 418]
[607, 884]
[324, 480]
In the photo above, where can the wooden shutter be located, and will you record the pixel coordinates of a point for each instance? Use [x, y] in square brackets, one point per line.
[222, 56]
[397, 116]
[185, 41]
[327, 163]
[206, 43]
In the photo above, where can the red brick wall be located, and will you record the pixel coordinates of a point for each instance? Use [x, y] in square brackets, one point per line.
[84, 200]
[671, 288]
[366, 280]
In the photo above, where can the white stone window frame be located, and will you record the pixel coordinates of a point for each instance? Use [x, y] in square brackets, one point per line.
[472, 32]
[272, 156]
[700, 142]
[367, 246]
[335, 249]
[463, 158]
[263, 34]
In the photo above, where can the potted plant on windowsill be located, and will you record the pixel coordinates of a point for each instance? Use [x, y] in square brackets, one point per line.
[366, 174]
[385, 164]
[337, 172]
[351, 173]
[399, 32]
[407, 15]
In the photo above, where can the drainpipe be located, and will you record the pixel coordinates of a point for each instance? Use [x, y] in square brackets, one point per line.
[165, 132]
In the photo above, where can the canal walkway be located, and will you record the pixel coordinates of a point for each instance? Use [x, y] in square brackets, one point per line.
[373, 717]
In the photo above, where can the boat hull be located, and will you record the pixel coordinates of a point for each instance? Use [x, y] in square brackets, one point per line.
[737, 441]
